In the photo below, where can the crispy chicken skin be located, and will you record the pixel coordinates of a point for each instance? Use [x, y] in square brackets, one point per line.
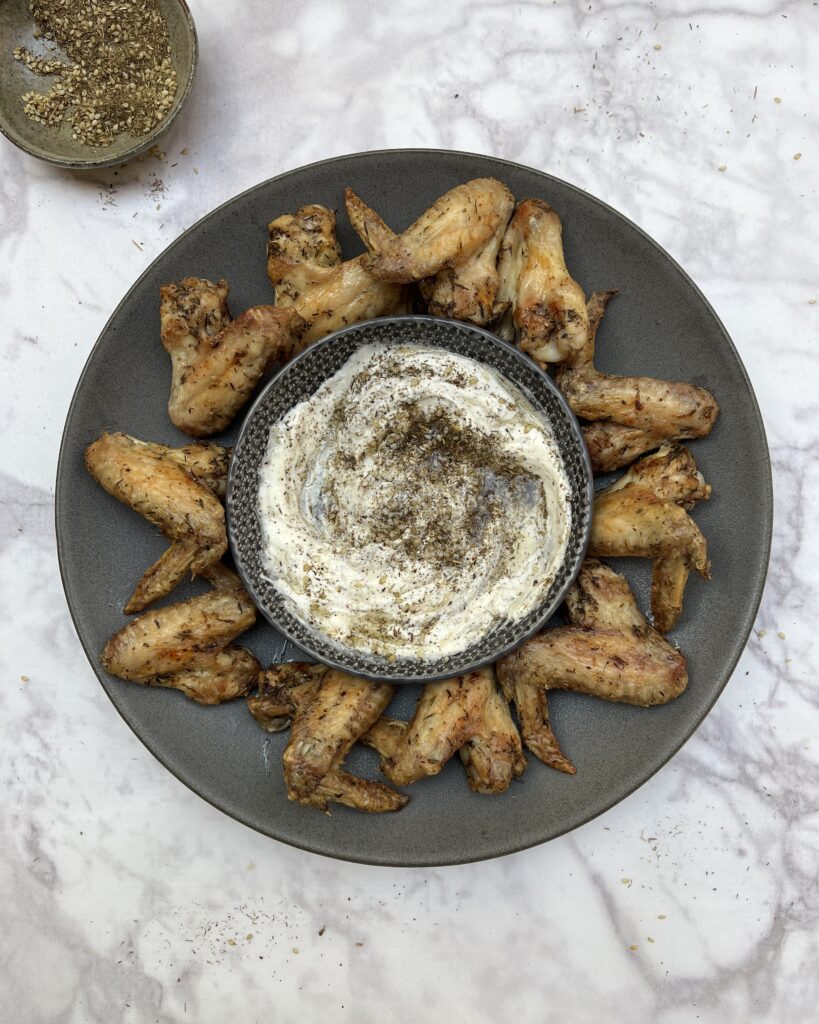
[167, 495]
[548, 306]
[188, 645]
[601, 597]
[611, 653]
[228, 674]
[468, 291]
[671, 474]
[644, 513]
[302, 248]
[668, 579]
[217, 362]
[304, 266]
[604, 663]
[324, 730]
[455, 227]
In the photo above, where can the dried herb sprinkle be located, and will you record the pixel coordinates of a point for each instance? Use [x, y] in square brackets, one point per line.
[114, 72]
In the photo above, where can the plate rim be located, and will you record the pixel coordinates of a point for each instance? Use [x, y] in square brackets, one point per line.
[752, 605]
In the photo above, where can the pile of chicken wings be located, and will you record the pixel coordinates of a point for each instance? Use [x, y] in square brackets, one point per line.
[477, 256]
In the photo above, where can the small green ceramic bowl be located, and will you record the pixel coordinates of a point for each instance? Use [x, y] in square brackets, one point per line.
[55, 144]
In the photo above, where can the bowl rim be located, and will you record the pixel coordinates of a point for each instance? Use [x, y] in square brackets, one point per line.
[143, 144]
[586, 497]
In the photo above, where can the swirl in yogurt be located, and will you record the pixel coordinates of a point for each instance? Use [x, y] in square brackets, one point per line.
[416, 500]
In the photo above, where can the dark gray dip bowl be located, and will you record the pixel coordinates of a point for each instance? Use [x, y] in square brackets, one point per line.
[296, 383]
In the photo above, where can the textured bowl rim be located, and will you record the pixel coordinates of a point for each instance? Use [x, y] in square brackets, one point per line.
[140, 146]
[585, 498]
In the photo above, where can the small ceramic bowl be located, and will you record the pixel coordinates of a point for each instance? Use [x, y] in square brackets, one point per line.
[54, 144]
[297, 382]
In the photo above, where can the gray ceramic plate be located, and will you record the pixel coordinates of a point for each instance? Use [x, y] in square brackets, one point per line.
[659, 325]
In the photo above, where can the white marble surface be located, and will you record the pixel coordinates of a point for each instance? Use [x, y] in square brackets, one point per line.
[124, 897]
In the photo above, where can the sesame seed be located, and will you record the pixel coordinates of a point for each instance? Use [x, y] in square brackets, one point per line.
[118, 74]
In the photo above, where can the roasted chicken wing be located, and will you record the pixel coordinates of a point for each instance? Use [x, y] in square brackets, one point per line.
[633, 521]
[493, 757]
[644, 513]
[305, 267]
[216, 362]
[167, 495]
[453, 229]
[187, 645]
[548, 308]
[448, 714]
[324, 729]
[615, 654]
[367, 224]
[636, 413]
[465, 291]
[672, 475]
[669, 473]
[665, 409]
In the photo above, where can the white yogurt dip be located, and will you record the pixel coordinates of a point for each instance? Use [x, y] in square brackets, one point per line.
[415, 501]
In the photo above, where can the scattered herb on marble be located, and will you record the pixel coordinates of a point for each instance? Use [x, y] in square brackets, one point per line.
[117, 76]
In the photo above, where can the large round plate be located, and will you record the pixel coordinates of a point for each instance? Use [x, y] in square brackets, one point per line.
[660, 325]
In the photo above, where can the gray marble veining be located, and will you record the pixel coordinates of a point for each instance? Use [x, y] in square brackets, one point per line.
[124, 897]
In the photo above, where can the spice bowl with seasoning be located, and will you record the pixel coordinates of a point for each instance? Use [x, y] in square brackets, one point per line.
[92, 83]
[409, 499]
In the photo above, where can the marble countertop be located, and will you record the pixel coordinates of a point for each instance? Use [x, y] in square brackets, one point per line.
[126, 898]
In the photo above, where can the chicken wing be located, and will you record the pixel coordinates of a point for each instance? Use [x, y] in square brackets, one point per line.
[659, 488]
[493, 757]
[465, 291]
[455, 227]
[468, 291]
[167, 495]
[599, 597]
[548, 306]
[324, 730]
[302, 249]
[188, 645]
[304, 266]
[614, 654]
[216, 362]
[668, 579]
[633, 521]
[448, 714]
[367, 224]
[666, 409]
